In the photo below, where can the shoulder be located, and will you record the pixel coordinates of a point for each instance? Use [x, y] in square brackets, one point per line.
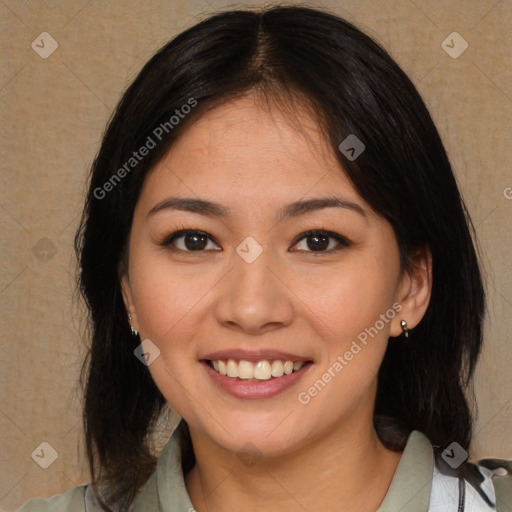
[473, 486]
[72, 500]
[445, 480]
[503, 488]
[502, 481]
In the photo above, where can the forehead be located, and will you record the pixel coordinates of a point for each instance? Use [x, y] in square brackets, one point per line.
[249, 125]
[249, 149]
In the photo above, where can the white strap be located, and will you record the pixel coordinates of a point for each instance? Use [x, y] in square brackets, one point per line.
[446, 494]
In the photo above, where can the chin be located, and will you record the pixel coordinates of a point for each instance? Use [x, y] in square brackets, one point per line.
[269, 436]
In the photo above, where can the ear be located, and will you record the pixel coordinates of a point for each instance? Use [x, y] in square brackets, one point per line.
[414, 291]
[129, 304]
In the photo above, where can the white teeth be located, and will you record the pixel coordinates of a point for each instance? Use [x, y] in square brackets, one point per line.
[262, 370]
[277, 368]
[232, 368]
[245, 370]
[222, 367]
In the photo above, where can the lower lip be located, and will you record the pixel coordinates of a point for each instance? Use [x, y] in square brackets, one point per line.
[253, 389]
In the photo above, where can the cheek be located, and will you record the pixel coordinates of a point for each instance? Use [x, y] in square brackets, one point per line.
[167, 303]
[349, 300]
[351, 307]
[357, 308]
[166, 296]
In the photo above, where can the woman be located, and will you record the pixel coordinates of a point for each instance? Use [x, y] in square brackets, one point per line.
[274, 246]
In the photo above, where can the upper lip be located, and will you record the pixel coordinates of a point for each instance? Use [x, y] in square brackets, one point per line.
[253, 355]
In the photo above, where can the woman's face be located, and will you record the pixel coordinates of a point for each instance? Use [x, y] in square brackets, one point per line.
[252, 290]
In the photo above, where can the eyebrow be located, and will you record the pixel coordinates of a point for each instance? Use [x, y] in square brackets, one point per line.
[211, 209]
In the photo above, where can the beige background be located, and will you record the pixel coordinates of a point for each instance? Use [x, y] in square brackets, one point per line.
[53, 112]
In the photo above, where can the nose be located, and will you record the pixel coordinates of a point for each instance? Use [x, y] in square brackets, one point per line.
[254, 298]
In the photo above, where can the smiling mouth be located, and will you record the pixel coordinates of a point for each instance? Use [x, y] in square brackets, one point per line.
[257, 371]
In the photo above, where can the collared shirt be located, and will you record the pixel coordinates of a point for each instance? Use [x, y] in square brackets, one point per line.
[418, 485]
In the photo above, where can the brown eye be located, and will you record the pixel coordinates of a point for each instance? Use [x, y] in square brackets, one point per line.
[321, 241]
[189, 240]
[317, 242]
[195, 242]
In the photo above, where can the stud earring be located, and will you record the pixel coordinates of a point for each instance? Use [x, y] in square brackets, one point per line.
[405, 329]
[134, 331]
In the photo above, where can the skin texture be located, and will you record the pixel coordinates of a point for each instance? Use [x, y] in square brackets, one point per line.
[253, 158]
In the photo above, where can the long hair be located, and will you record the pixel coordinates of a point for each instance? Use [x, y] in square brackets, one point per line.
[355, 88]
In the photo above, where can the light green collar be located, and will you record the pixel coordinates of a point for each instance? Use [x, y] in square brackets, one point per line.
[410, 488]
[165, 491]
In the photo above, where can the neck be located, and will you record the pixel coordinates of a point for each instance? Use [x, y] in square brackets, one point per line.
[346, 469]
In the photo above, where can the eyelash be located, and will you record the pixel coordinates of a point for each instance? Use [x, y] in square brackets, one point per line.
[182, 231]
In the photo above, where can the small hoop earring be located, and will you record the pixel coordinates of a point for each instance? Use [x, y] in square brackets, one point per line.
[405, 329]
[134, 331]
